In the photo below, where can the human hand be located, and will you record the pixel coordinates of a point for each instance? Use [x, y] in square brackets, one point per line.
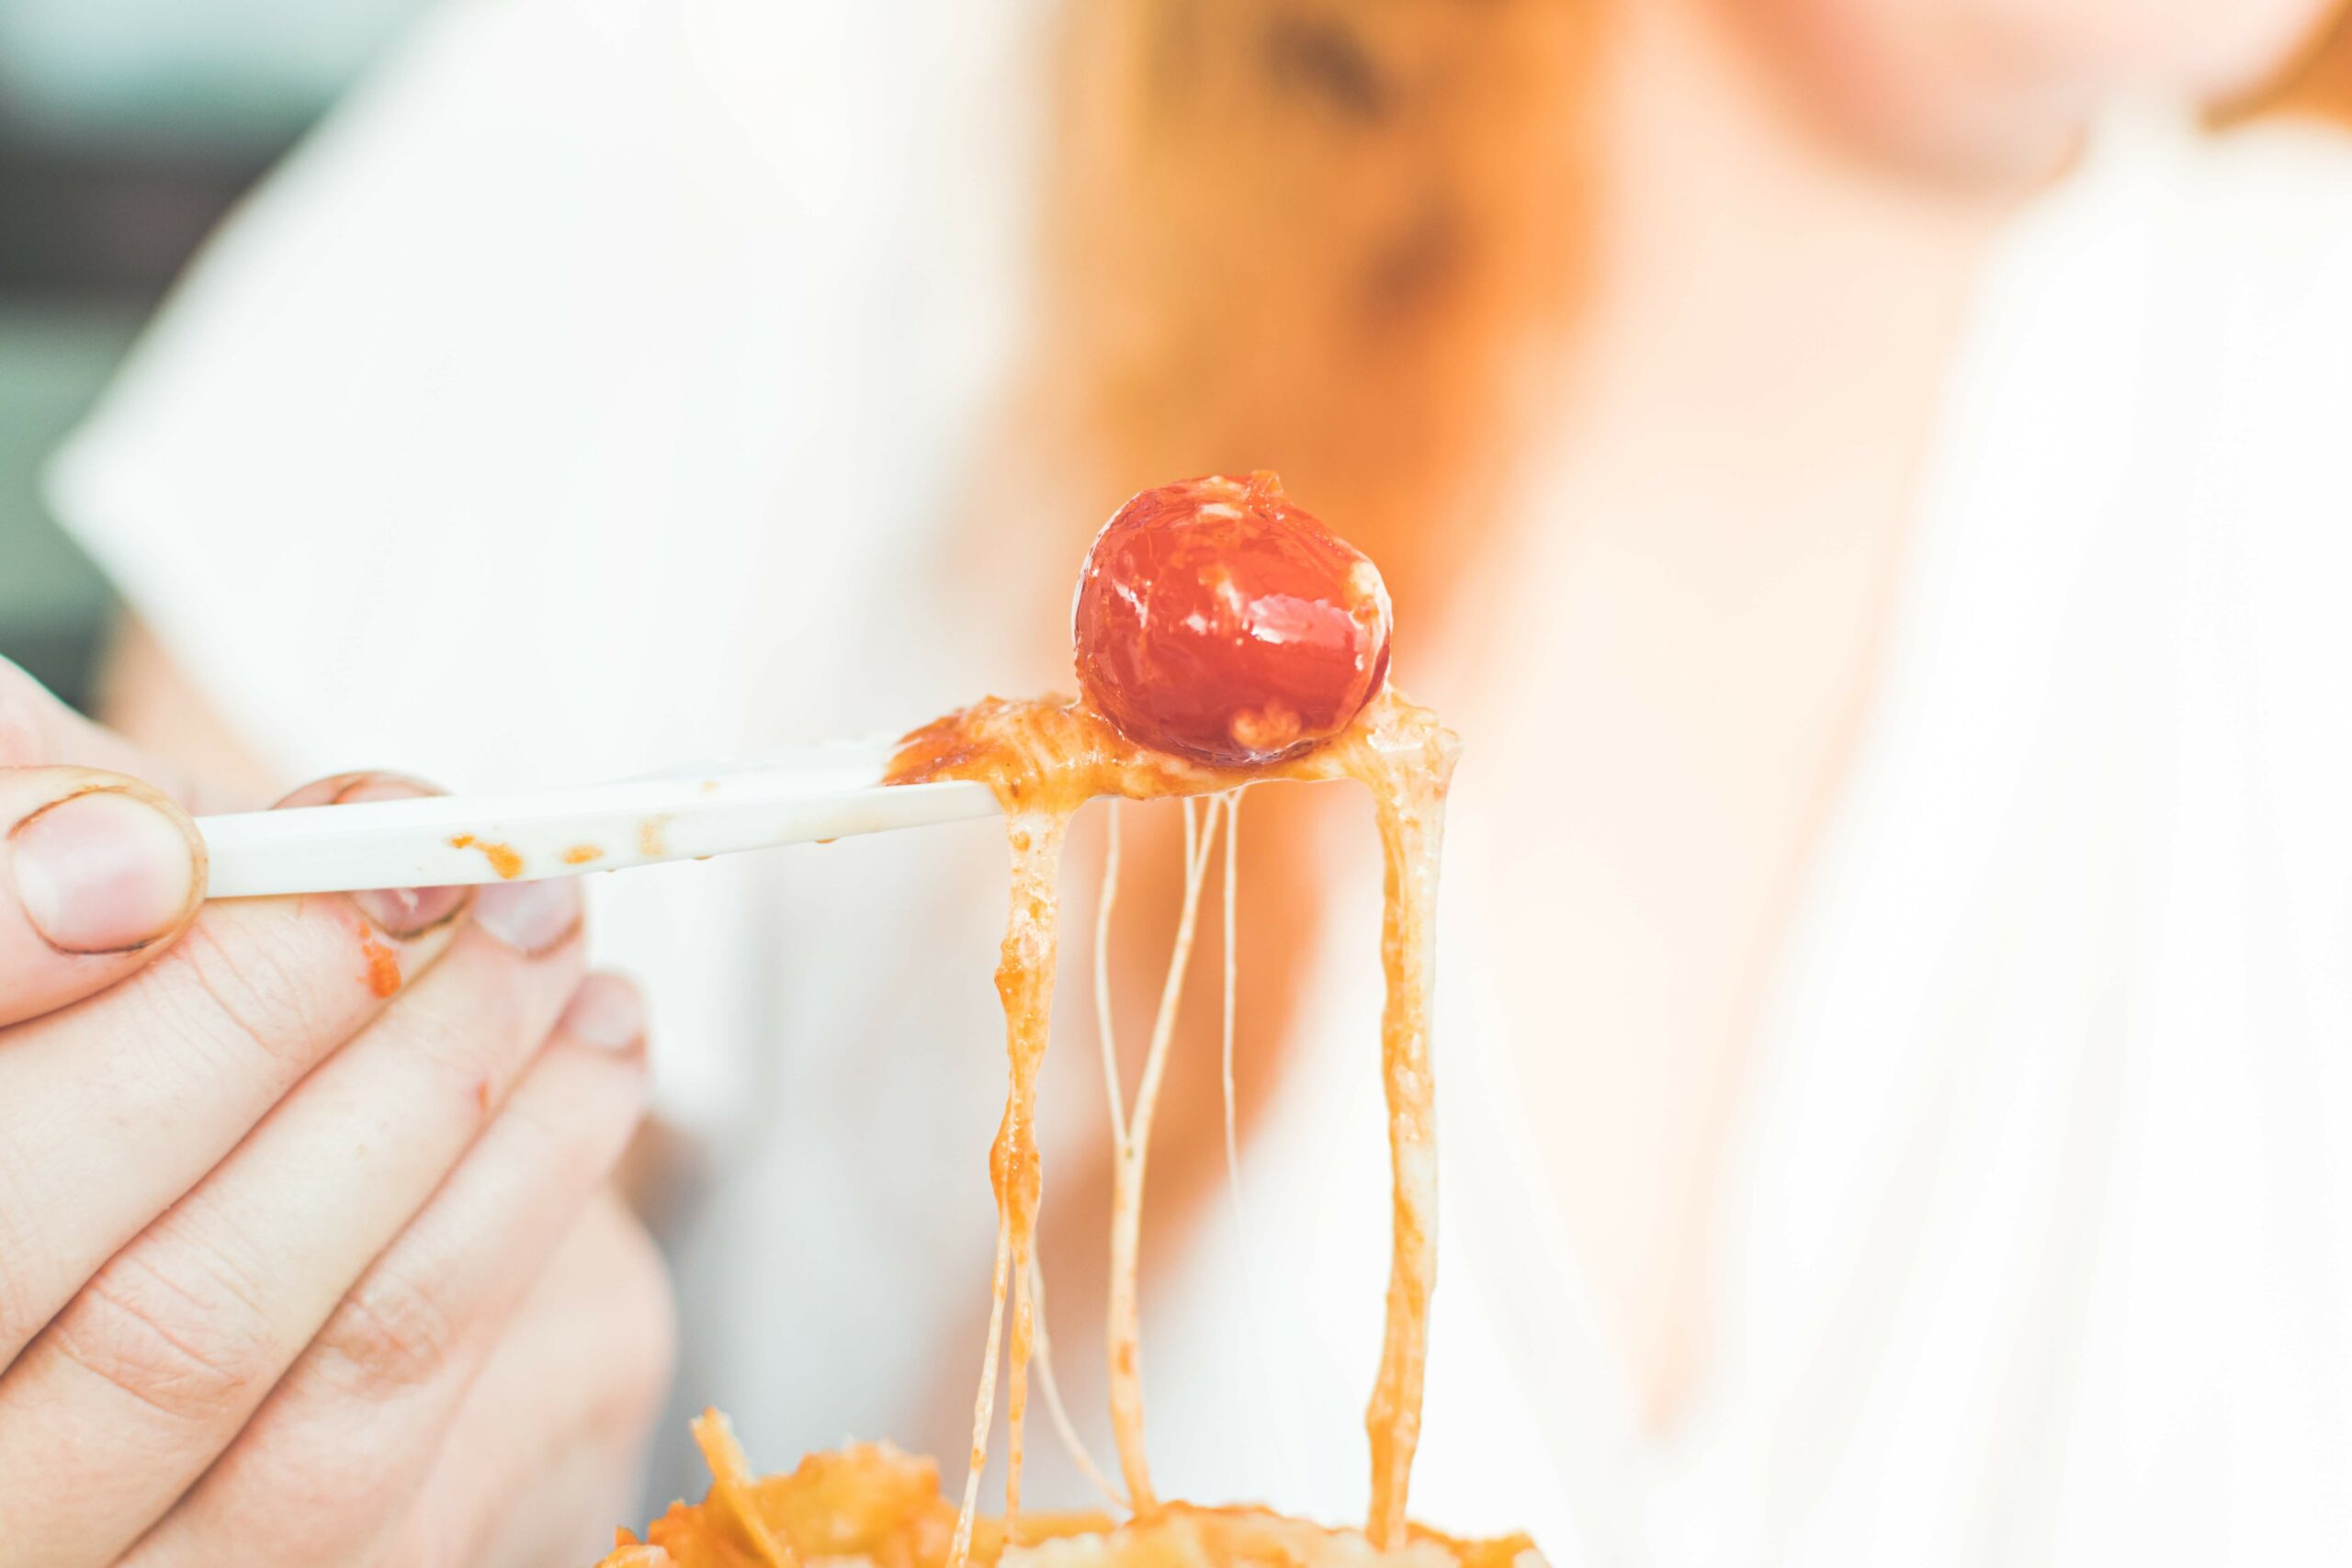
[307, 1251]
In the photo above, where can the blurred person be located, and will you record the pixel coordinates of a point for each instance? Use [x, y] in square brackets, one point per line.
[1864, 478]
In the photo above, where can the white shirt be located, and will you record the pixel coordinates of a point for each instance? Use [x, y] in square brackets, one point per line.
[592, 391]
[2037, 1243]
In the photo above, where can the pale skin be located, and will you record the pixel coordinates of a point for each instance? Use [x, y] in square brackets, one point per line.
[308, 1253]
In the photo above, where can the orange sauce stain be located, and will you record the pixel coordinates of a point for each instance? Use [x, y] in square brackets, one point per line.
[580, 854]
[502, 857]
[653, 838]
[383, 966]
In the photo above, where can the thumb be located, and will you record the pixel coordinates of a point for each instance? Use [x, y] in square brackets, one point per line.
[98, 872]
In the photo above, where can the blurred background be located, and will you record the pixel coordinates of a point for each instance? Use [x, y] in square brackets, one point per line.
[128, 127]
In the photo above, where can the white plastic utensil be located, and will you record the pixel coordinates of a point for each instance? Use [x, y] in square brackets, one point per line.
[786, 798]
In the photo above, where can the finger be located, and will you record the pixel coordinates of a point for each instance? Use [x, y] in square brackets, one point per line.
[543, 1458]
[174, 1343]
[116, 1106]
[356, 1425]
[98, 872]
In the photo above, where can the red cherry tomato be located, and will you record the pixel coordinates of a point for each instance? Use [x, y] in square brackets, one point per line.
[1217, 621]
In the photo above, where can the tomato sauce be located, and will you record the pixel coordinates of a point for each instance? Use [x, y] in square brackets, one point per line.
[383, 966]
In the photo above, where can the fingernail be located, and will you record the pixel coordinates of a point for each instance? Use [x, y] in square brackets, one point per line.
[337, 789]
[606, 1012]
[400, 913]
[406, 913]
[103, 871]
[529, 916]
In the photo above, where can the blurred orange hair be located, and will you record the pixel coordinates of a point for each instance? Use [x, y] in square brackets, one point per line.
[2316, 85]
[1339, 240]
[1326, 238]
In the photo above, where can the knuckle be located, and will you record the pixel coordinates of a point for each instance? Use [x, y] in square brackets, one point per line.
[172, 1328]
[390, 1335]
[251, 997]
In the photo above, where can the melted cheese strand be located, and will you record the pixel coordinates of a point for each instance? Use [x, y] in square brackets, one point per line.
[1410, 807]
[1232, 985]
[1127, 1181]
[1102, 1025]
[983, 1404]
[1063, 1425]
[1252, 1273]
[1044, 759]
[1024, 981]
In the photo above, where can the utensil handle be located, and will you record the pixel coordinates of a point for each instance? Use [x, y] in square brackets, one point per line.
[447, 841]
